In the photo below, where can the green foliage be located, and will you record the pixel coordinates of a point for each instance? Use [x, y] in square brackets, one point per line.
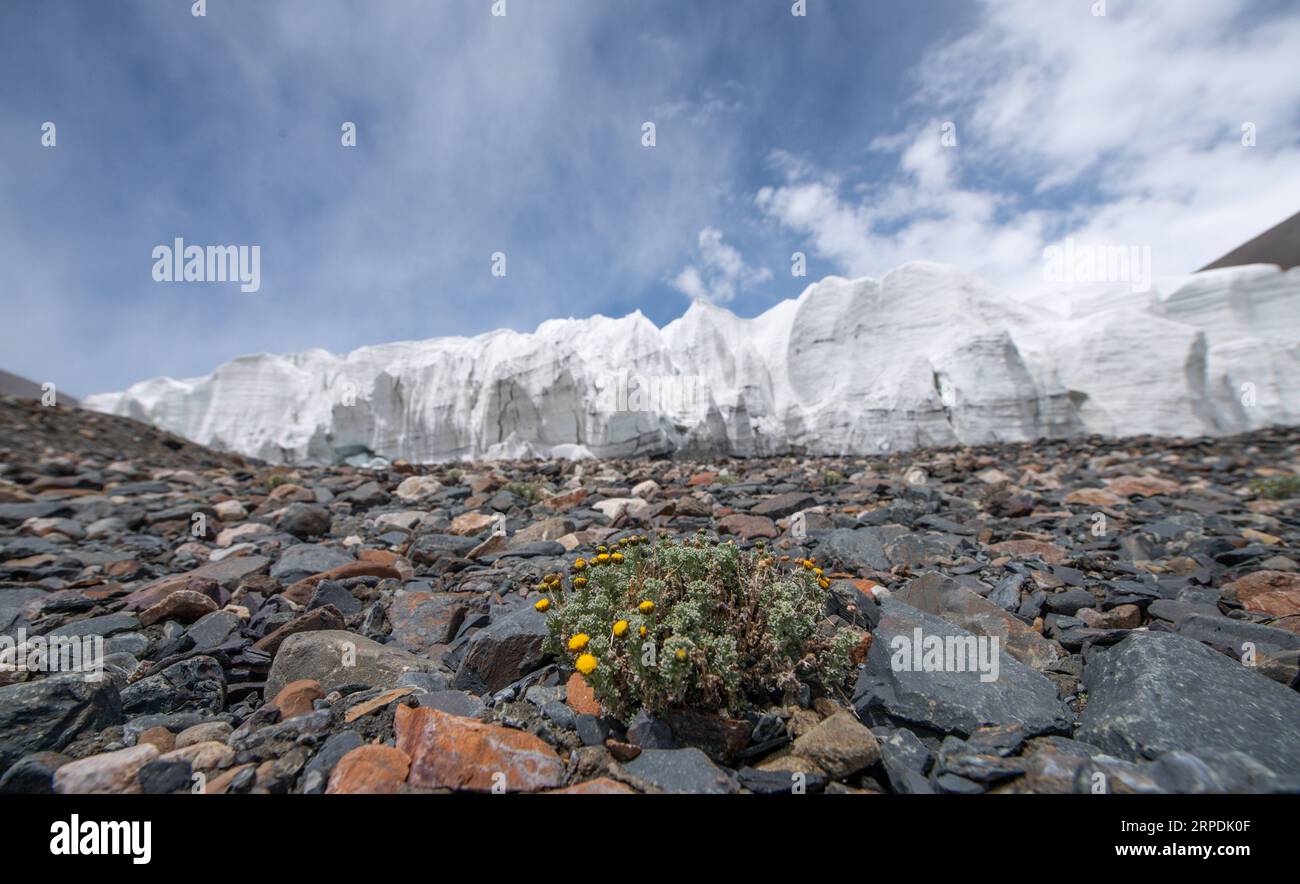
[723, 626]
[525, 490]
[1277, 487]
[831, 478]
[274, 481]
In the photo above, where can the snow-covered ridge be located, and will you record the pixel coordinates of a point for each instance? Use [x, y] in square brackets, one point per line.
[927, 355]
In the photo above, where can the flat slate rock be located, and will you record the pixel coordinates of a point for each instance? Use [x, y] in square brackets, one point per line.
[1157, 692]
[950, 701]
[681, 771]
[50, 713]
[856, 549]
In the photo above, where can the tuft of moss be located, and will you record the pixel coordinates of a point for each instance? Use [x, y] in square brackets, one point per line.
[1276, 487]
[831, 478]
[274, 481]
[694, 625]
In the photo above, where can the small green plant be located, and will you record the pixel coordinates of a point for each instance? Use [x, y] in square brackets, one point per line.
[831, 478]
[274, 481]
[728, 479]
[525, 490]
[1276, 487]
[692, 625]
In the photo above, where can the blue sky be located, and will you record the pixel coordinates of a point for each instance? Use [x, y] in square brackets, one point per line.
[523, 134]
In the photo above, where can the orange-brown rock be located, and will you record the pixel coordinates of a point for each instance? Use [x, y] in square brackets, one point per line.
[369, 770]
[451, 752]
[297, 697]
[1272, 592]
[598, 786]
[580, 697]
[368, 706]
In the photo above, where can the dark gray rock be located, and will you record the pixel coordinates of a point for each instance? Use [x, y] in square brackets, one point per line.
[50, 713]
[195, 684]
[680, 771]
[105, 626]
[1160, 692]
[305, 559]
[1237, 634]
[304, 520]
[944, 700]
[32, 774]
[213, 630]
[316, 774]
[906, 761]
[164, 777]
[651, 733]
[509, 648]
[331, 592]
[452, 702]
[854, 549]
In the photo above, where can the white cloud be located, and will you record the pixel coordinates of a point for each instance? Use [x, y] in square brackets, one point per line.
[720, 273]
[1122, 130]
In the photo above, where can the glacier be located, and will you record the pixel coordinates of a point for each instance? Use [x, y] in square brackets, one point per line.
[926, 355]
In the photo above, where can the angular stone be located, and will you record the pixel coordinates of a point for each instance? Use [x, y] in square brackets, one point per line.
[450, 752]
[681, 771]
[424, 619]
[297, 698]
[196, 684]
[783, 505]
[1276, 593]
[370, 770]
[109, 773]
[305, 559]
[748, 527]
[840, 745]
[508, 649]
[945, 598]
[855, 549]
[315, 620]
[300, 593]
[336, 658]
[1160, 692]
[948, 700]
[580, 697]
[48, 714]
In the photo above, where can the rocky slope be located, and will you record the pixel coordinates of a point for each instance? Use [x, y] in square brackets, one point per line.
[342, 630]
[927, 355]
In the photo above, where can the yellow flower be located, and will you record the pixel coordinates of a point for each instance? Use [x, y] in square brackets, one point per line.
[807, 564]
[600, 549]
[579, 564]
[602, 558]
[824, 583]
[646, 607]
[642, 630]
[681, 653]
[578, 642]
[542, 604]
[617, 558]
[579, 582]
[818, 571]
[586, 664]
[620, 628]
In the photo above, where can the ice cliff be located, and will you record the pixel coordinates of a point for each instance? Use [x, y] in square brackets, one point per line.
[927, 355]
